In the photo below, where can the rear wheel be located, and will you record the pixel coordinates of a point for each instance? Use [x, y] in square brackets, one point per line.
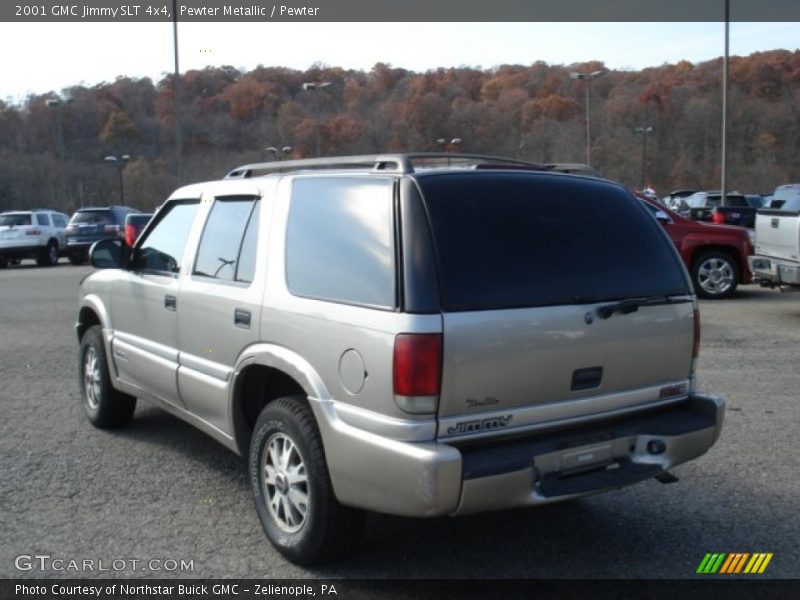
[49, 255]
[715, 275]
[3, 263]
[292, 489]
[105, 407]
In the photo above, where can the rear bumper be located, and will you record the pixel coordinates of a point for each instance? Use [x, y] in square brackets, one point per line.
[436, 478]
[774, 272]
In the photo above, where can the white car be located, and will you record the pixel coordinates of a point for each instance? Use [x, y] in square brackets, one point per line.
[37, 234]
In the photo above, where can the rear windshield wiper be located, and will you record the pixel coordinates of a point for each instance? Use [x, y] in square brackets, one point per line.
[630, 305]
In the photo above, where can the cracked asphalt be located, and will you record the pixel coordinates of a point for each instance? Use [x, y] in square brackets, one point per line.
[161, 490]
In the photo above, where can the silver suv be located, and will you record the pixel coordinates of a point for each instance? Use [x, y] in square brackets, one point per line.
[417, 335]
[37, 234]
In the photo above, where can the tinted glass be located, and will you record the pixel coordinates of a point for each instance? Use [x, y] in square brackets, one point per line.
[534, 240]
[42, 219]
[339, 242]
[218, 253]
[101, 217]
[247, 255]
[15, 220]
[162, 250]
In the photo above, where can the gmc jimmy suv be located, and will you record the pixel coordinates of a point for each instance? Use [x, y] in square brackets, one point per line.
[414, 334]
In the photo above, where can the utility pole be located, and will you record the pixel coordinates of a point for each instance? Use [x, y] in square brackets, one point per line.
[724, 165]
[644, 131]
[587, 78]
[176, 83]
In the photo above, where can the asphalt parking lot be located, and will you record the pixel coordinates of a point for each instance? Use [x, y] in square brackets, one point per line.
[162, 490]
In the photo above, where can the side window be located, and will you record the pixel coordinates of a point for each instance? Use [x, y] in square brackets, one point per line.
[42, 219]
[163, 248]
[59, 221]
[218, 254]
[247, 255]
[340, 241]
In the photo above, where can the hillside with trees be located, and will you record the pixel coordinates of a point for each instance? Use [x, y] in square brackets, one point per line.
[51, 153]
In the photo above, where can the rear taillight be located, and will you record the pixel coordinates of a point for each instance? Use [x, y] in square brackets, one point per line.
[696, 341]
[130, 235]
[70, 230]
[718, 218]
[111, 229]
[33, 231]
[417, 371]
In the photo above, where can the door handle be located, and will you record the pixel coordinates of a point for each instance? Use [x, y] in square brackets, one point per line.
[170, 302]
[241, 318]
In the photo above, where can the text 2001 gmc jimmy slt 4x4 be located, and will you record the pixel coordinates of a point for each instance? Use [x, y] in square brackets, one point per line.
[412, 334]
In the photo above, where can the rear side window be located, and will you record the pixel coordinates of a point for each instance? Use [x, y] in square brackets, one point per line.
[42, 219]
[15, 220]
[59, 221]
[520, 240]
[218, 255]
[339, 241]
[162, 249]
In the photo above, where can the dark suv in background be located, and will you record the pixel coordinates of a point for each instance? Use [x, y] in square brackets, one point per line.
[89, 225]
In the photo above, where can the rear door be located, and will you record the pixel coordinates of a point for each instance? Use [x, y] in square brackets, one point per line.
[526, 261]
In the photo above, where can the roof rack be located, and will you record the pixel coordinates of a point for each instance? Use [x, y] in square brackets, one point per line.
[388, 163]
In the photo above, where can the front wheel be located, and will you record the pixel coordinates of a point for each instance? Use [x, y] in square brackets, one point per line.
[292, 489]
[105, 407]
[715, 275]
[49, 256]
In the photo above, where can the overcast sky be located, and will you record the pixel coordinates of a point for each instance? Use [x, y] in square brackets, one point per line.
[40, 57]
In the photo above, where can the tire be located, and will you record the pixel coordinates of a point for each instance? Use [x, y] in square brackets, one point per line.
[715, 275]
[3, 263]
[325, 529]
[105, 407]
[77, 260]
[49, 256]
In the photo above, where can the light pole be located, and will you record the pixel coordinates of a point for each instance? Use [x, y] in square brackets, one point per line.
[279, 153]
[120, 163]
[448, 146]
[176, 96]
[644, 131]
[724, 158]
[57, 105]
[587, 80]
[317, 86]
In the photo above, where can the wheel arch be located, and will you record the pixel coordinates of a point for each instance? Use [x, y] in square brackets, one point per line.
[266, 372]
[92, 312]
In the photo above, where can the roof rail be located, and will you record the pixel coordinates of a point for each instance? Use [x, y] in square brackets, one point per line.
[392, 163]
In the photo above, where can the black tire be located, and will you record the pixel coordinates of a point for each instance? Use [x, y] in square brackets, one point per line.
[105, 407]
[77, 260]
[3, 263]
[327, 529]
[715, 275]
[49, 255]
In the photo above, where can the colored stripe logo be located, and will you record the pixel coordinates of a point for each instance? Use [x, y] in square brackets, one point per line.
[734, 563]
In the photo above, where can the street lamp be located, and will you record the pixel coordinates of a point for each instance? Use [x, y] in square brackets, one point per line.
[644, 131]
[279, 153]
[317, 86]
[587, 79]
[448, 146]
[120, 163]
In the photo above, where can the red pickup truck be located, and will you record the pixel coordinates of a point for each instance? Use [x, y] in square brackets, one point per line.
[716, 255]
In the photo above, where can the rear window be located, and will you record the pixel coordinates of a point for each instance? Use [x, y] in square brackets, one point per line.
[521, 240]
[15, 220]
[94, 217]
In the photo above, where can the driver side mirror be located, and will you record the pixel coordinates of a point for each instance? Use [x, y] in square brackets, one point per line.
[108, 254]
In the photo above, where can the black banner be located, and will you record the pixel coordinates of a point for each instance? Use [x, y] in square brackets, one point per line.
[396, 10]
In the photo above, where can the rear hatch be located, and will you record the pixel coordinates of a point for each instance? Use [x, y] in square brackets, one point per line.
[14, 225]
[91, 224]
[562, 298]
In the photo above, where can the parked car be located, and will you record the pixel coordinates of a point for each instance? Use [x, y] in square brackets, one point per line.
[418, 342]
[37, 234]
[674, 199]
[134, 224]
[707, 206]
[777, 255]
[756, 200]
[89, 225]
[715, 255]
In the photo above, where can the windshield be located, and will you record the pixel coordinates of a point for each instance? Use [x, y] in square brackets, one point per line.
[94, 217]
[519, 240]
[15, 219]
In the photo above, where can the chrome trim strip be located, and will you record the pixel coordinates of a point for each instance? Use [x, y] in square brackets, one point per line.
[557, 414]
